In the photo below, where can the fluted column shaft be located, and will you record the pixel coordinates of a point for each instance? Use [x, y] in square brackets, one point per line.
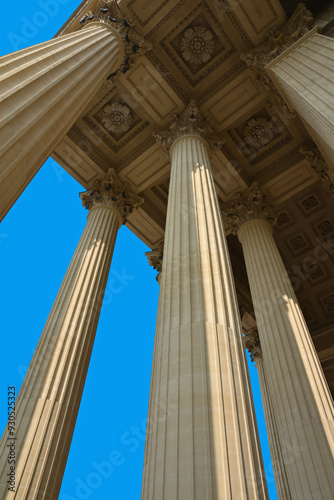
[300, 396]
[50, 396]
[43, 90]
[304, 74]
[202, 440]
[280, 459]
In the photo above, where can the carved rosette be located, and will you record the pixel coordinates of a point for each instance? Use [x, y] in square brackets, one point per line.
[155, 257]
[112, 192]
[108, 12]
[190, 122]
[278, 40]
[197, 45]
[248, 206]
[318, 165]
[252, 344]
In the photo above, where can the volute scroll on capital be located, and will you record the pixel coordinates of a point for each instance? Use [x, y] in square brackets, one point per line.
[191, 123]
[108, 12]
[112, 192]
[155, 258]
[250, 205]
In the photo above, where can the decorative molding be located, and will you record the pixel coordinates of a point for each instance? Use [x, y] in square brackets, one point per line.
[117, 118]
[197, 45]
[318, 165]
[112, 192]
[252, 204]
[252, 344]
[278, 40]
[190, 122]
[155, 258]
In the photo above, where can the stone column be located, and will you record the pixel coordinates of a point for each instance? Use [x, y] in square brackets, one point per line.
[202, 440]
[45, 88]
[304, 75]
[279, 461]
[48, 402]
[300, 396]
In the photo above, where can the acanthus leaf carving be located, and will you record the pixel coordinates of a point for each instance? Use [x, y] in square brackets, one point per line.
[248, 206]
[190, 122]
[252, 344]
[111, 191]
[155, 258]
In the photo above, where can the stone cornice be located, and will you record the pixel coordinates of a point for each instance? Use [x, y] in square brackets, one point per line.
[318, 165]
[250, 205]
[252, 344]
[110, 191]
[155, 257]
[278, 40]
[191, 123]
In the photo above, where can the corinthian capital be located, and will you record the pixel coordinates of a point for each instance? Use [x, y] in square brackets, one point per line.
[253, 345]
[190, 122]
[155, 257]
[318, 165]
[278, 40]
[108, 13]
[112, 192]
[248, 206]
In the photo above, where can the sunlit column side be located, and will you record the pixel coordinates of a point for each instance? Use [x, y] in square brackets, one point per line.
[299, 393]
[252, 343]
[304, 74]
[202, 440]
[45, 88]
[48, 402]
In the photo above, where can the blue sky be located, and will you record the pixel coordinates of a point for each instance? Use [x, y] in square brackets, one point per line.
[37, 240]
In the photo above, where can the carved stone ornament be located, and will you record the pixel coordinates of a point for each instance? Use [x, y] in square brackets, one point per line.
[318, 165]
[248, 206]
[253, 345]
[111, 191]
[108, 12]
[155, 257]
[278, 40]
[117, 117]
[259, 132]
[197, 45]
[190, 122]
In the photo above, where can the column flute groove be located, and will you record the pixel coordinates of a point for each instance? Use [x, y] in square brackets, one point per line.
[206, 445]
[48, 402]
[301, 400]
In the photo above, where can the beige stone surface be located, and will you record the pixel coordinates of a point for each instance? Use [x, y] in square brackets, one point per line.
[49, 399]
[43, 90]
[304, 74]
[280, 458]
[299, 393]
[202, 440]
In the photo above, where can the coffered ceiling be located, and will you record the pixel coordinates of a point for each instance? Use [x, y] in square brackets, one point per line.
[196, 49]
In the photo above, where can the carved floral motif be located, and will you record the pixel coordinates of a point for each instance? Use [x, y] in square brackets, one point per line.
[248, 206]
[258, 132]
[111, 191]
[117, 118]
[197, 45]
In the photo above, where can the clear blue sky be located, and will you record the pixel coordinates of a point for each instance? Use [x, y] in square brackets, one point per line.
[37, 240]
